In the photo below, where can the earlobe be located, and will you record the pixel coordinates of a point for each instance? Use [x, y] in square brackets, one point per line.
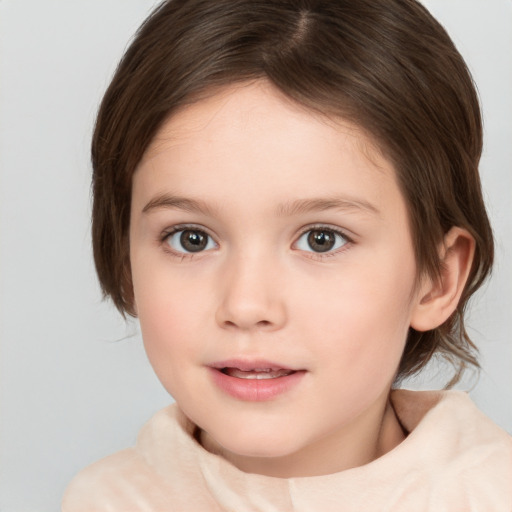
[437, 298]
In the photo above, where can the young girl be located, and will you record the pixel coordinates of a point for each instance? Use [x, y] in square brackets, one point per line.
[286, 195]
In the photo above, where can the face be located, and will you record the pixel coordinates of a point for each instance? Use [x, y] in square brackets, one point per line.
[273, 274]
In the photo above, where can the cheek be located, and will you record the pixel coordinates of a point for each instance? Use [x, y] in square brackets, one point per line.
[165, 321]
[165, 329]
[165, 297]
[166, 315]
[361, 316]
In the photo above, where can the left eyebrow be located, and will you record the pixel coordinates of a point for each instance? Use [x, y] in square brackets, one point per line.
[302, 206]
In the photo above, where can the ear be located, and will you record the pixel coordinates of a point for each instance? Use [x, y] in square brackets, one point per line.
[437, 298]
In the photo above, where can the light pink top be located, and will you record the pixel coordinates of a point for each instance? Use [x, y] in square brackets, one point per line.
[454, 460]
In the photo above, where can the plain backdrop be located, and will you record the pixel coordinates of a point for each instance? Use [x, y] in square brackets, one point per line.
[75, 383]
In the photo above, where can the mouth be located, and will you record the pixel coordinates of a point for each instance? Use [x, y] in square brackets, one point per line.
[256, 373]
[254, 381]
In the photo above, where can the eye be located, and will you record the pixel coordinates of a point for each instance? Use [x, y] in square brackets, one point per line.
[190, 241]
[321, 240]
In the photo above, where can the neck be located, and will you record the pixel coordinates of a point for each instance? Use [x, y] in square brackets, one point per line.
[366, 439]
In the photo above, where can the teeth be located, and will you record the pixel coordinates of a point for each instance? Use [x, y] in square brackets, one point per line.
[257, 373]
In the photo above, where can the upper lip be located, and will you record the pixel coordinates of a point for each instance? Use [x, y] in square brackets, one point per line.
[248, 365]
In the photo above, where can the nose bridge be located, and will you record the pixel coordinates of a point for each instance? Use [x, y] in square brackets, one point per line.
[251, 295]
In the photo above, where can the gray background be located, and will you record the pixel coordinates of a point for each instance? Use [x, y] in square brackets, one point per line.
[75, 383]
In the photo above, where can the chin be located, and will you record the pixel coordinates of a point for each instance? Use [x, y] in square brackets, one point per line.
[258, 444]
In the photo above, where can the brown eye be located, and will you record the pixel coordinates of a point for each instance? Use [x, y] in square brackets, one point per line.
[190, 241]
[193, 241]
[321, 240]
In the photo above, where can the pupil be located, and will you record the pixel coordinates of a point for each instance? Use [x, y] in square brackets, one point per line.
[321, 241]
[193, 241]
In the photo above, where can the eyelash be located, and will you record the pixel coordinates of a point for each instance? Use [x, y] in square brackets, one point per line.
[177, 229]
[311, 254]
[329, 253]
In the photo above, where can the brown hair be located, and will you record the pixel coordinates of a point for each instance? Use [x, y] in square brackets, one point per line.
[386, 65]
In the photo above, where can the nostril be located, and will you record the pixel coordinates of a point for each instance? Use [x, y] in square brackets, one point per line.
[259, 325]
[249, 314]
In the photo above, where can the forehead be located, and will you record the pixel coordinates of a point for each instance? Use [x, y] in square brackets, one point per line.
[248, 139]
[249, 106]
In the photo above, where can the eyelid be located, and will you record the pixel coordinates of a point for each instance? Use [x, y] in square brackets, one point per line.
[324, 227]
[177, 228]
[166, 233]
[182, 226]
[327, 227]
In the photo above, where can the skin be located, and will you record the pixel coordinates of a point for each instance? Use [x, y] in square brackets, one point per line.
[264, 171]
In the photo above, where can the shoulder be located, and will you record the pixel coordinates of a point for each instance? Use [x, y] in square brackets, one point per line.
[450, 417]
[113, 483]
[466, 456]
[127, 480]
[453, 411]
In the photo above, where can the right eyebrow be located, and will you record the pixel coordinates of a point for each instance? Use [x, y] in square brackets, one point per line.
[168, 201]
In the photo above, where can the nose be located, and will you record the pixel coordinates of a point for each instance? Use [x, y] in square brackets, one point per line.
[252, 295]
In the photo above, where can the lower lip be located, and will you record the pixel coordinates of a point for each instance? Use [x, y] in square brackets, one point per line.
[255, 390]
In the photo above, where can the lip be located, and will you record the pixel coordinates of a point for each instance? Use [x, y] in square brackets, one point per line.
[254, 390]
[250, 364]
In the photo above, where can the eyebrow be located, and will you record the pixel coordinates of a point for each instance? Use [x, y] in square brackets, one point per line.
[167, 201]
[297, 207]
[302, 206]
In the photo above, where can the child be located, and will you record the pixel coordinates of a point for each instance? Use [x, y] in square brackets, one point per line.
[286, 195]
